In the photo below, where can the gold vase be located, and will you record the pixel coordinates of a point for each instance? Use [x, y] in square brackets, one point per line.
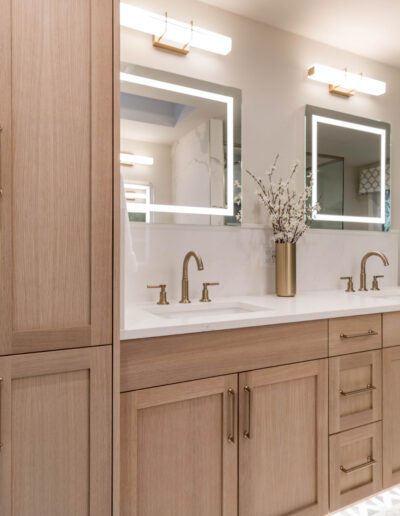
[285, 270]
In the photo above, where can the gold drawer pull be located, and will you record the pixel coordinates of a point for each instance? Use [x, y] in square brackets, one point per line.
[247, 392]
[370, 462]
[368, 388]
[368, 333]
[1, 420]
[231, 431]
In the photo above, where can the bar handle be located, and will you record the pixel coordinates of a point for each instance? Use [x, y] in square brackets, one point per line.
[368, 388]
[370, 462]
[1, 419]
[247, 393]
[231, 416]
[1, 175]
[368, 333]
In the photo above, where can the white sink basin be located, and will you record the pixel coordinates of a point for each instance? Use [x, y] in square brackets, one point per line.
[382, 294]
[194, 311]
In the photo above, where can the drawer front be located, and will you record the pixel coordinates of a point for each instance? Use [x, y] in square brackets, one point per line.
[391, 329]
[355, 390]
[355, 465]
[354, 334]
[178, 358]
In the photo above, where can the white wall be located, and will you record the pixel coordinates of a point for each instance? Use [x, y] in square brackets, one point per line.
[269, 66]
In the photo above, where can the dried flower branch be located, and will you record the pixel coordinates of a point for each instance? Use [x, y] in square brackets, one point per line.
[290, 211]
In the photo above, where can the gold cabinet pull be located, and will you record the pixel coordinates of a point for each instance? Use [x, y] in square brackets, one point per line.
[247, 393]
[1, 175]
[368, 388]
[1, 406]
[368, 333]
[370, 462]
[231, 416]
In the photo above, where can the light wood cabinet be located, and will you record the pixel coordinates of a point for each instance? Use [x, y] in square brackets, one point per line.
[55, 430]
[391, 416]
[283, 450]
[355, 334]
[56, 174]
[179, 449]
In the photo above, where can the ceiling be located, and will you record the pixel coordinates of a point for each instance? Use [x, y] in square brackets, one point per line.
[366, 27]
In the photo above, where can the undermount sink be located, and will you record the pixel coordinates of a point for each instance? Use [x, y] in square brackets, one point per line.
[382, 294]
[191, 311]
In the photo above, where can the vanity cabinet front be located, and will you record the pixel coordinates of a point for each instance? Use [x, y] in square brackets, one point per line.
[56, 174]
[55, 433]
[179, 449]
[283, 449]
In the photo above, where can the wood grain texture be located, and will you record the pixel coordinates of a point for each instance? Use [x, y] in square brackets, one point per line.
[177, 459]
[283, 466]
[56, 434]
[349, 373]
[56, 168]
[391, 329]
[391, 416]
[164, 360]
[352, 326]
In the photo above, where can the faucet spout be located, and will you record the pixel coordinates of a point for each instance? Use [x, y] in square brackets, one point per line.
[363, 274]
[185, 274]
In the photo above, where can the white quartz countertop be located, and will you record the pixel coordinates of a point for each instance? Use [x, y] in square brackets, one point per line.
[150, 320]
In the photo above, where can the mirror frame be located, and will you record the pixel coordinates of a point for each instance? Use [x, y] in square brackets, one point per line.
[133, 74]
[382, 129]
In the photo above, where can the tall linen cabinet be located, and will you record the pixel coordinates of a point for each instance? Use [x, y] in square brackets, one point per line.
[56, 257]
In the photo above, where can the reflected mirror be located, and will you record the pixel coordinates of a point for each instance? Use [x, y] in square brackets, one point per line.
[348, 159]
[180, 148]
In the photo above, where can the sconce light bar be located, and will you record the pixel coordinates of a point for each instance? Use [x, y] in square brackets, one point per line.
[172, 34]
[128, 160]
[342, 82]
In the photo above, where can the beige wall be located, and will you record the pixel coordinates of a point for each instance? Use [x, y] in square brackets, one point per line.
[269, 66]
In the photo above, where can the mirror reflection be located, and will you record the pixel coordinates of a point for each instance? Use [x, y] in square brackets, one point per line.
[180, 148]
[348, 159]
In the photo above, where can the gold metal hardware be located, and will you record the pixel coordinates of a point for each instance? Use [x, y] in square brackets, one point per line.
[231, 431]
[1, 441]
[247, 392]
[375, 284]
[368, 388]
[368, 333]
[182, 51]
[370, 462]
[204, 295]
[185, 274]
[163, 294]
[363, 275]
[350, 285]
[285, 270]
[1, 175]
[339, 90]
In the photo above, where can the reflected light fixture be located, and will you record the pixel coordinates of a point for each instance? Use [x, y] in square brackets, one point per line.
[173, 35]
[128, 160]
[344, 83]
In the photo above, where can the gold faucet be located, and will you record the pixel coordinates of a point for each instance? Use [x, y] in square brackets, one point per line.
[185, 276]
[363, 274]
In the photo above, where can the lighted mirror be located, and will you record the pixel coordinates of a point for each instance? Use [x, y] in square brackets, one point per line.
[180, 148]
[348, 160]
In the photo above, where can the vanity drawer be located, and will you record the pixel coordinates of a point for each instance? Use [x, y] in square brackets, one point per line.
[355, 390]
[178, 358]
[355, 465]
[354, 334]
[391, 329]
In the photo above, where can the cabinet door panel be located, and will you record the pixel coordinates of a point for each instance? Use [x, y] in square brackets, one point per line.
[283, 464]
[56, 434]
[391, 416]
[177, 459]
[56, 174]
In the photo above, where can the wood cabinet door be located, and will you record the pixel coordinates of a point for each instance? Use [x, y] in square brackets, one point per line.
[179, 449]
[391, 416]
[56, 174]
[283, 450]
[55, 430]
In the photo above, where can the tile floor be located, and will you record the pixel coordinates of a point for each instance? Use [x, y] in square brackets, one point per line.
[386, 503]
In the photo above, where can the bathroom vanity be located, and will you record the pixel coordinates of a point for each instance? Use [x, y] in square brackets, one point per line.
[295, 412]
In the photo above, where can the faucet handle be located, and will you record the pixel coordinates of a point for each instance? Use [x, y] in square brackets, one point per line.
[163, 294]
[375, 284]
[204, 295]
[350, 285]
